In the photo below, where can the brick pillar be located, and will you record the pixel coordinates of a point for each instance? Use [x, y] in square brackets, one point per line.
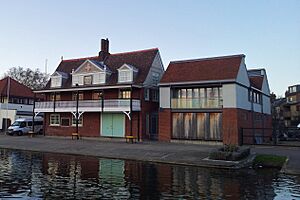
[231, 134]
[165, 125]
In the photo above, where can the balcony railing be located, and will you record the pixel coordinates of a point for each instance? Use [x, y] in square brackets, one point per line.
[196, 103]
[88, 105]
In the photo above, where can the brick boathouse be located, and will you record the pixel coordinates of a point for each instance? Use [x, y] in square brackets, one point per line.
[212, 99]
[117, 95]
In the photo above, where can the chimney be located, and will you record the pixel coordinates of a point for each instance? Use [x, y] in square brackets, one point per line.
[104, 49]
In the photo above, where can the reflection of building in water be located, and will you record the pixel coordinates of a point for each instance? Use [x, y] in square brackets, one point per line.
[18, 170]
[111, 175]
[148, 180]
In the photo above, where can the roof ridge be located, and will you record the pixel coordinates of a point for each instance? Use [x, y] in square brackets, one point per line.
[78, 59]
[137, 51]
[208, 58]
[94, 57]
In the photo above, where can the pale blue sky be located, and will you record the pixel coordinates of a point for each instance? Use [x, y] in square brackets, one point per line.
[267, 32]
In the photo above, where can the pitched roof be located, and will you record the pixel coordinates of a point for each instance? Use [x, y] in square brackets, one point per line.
[16, 89]
[256, 81]
[142, 60]
[206, 69]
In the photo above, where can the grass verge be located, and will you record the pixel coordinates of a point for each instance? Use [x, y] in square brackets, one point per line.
[269, 161]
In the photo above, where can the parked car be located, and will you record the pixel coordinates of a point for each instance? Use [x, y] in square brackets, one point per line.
[23, 125]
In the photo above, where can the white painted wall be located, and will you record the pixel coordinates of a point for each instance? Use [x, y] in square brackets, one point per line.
[11, 114]
[242, 76]
[164, 97]
[157, 67]
[242, 98]
[266, 105]
[18, 107]
[229, 95]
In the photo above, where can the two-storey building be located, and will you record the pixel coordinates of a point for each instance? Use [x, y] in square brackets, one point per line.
[16, 100]
[113, 95]
[211, 99]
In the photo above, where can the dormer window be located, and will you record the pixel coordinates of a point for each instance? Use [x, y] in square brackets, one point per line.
[87, 80]
[90, 73]
[125, 76]
[57, 79]
[126, 73]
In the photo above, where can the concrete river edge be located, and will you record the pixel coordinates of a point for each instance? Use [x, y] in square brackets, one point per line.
[151, 151]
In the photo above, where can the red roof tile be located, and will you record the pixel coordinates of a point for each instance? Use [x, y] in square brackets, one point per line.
[207, 69]
[16, 89]
[142, 60]
[256, 81]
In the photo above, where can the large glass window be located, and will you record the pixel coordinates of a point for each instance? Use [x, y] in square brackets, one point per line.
[197, 98]
[200, 126]
[80, 96]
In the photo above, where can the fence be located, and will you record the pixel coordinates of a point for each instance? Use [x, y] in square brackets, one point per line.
[268, 136]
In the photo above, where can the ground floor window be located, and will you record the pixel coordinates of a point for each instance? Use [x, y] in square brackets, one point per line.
[202, 126]
[80, 120]
[65, 121]
[55, 119]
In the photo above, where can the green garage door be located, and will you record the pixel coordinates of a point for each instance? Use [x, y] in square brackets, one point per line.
[112, 125]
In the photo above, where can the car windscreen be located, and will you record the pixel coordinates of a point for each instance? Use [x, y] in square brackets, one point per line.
[16, 123]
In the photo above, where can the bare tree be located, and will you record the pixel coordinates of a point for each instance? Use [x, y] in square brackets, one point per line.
[34, 79]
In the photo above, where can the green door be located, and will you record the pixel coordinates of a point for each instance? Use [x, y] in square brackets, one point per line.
[112, 125]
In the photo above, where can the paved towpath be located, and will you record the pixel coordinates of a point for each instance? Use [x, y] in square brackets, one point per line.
[172, 153]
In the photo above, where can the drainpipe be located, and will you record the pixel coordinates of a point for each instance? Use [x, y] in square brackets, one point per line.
[130, 113]
[33, 113]
[77, 114]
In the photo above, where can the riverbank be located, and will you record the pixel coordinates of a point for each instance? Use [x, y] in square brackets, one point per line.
[171, 153]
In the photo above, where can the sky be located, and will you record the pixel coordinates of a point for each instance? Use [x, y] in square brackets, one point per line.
[267, 32]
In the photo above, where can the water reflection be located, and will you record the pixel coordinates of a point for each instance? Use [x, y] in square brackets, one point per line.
[53, 176]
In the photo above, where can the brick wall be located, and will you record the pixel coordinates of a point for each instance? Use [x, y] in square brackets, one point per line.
[236, 119]
[90, 128]
[165, 125]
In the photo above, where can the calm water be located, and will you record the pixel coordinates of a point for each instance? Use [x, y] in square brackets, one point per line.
[30, 175]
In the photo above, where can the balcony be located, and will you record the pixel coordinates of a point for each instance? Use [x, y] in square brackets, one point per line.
[111, 105]
[198, 103]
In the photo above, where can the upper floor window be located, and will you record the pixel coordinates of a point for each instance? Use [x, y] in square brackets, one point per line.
[97, 95]
[254, 96]
[80, 96]
[55, 96]
[292, 89]
[56, 81]
[147, 94]
[87, 80]
[197, 97]
[125, 76]
[125, 94]
[155, 95]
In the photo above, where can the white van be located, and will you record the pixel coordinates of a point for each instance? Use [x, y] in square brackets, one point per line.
[24, 125]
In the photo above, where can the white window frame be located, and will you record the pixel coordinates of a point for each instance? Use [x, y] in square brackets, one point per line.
[56, 81]
[147, 94]
[125, 75]
[99, 78]
[52, 119]
[80, 120]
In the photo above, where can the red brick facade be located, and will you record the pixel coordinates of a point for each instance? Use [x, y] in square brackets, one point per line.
[92, 120]
[165, 125]
[233, 120]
